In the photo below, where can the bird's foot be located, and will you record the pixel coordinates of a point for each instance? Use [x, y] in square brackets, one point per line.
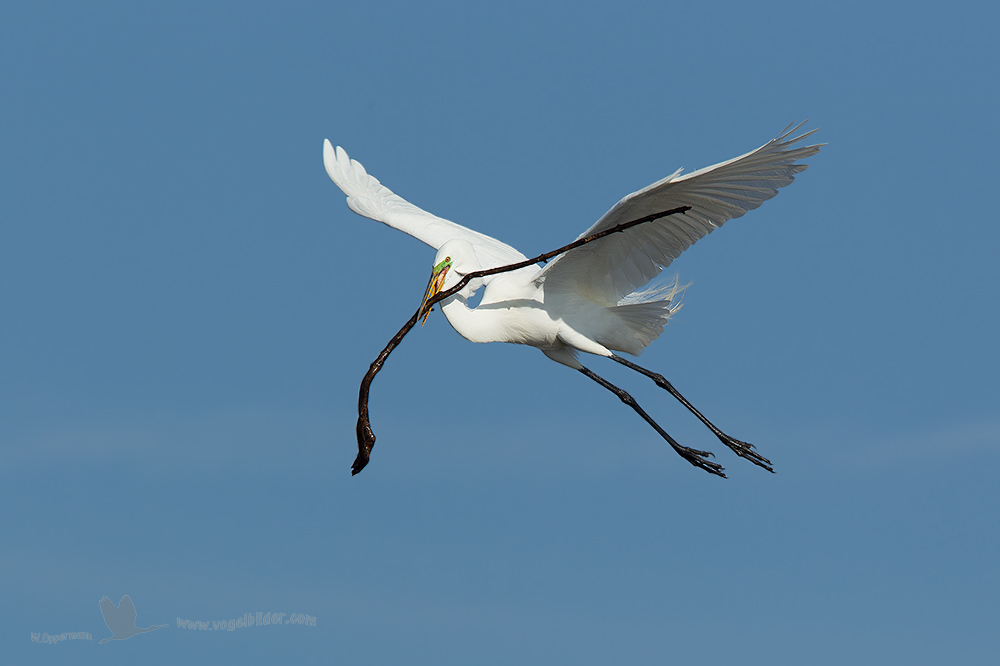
[700, 459]
[745, 450]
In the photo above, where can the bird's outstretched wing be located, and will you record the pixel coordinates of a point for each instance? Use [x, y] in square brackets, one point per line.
[615, 266]
[127, 609]
[367, 196]
[108, 610]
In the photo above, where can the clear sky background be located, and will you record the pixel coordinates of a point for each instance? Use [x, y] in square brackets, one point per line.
[187, 307]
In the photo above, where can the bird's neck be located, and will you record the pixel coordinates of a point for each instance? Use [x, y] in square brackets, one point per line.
[473, 323]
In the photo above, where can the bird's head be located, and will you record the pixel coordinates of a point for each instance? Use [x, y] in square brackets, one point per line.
[454, 260]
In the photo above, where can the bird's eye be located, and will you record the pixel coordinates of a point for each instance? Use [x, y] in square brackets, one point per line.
[448, 259]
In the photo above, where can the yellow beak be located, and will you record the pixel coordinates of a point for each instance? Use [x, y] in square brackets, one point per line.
[433, 287]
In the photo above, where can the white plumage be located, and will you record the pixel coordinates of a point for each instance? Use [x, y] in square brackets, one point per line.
[586, 299]
[621, 263]
[370, 198]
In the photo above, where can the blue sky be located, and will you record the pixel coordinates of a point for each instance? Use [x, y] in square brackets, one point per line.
[188, 307]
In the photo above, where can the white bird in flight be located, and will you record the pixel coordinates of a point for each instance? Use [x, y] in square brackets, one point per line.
[589, 299]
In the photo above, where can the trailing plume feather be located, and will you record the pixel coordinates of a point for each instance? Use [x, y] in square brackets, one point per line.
[646, 312]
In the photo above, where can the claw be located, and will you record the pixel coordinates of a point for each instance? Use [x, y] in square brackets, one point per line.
[746, 450]
[742, 449]
[698, 459]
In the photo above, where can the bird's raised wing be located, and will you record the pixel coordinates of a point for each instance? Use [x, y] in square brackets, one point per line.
[609, 269]
[108, 609]
[127, 609]
[367, 196]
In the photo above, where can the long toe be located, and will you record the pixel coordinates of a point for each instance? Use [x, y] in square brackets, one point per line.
[700, 459]
[746, 450]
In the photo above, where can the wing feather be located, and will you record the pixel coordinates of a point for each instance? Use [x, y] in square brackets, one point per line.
[368, 197]
[612, 268]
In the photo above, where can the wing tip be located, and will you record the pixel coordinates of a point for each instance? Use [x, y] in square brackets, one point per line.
[329, 159]
[792, 128]
[344, 171]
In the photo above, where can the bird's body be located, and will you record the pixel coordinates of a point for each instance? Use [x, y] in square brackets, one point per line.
[517, 307]
[588, 299]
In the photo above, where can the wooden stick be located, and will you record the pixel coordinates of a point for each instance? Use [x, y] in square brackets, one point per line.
[366, 438]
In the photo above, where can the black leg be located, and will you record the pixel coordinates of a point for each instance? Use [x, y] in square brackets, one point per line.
[693, 456]
[742, 449]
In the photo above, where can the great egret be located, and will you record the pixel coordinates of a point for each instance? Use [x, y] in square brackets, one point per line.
[588, 299]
